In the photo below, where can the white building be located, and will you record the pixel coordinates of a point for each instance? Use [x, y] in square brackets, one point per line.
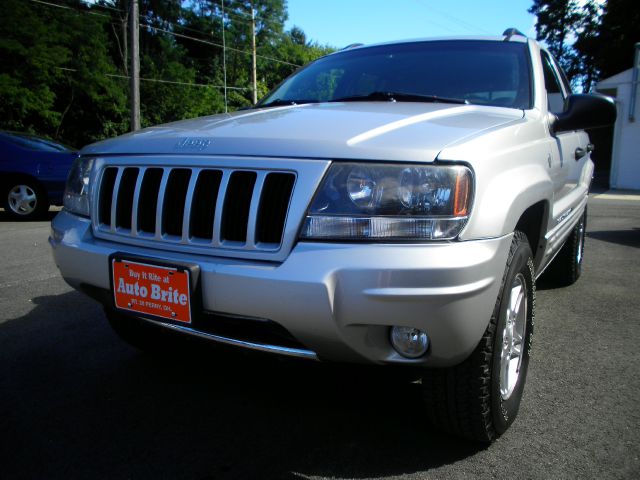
[625, 156]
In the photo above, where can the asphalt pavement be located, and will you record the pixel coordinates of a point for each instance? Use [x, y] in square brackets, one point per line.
[76, 402]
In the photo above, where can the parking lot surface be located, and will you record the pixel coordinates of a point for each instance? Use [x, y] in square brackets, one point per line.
[76, 402]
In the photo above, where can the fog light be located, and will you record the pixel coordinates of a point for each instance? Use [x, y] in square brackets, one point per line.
[409, 342]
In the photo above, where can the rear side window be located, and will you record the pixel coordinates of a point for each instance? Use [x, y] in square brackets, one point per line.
[555, 94]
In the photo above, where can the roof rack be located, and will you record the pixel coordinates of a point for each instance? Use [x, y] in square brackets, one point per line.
[352, 45]
[510, 32]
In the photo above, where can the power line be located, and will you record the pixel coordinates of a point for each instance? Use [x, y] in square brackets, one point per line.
[115, 9]
[65, 7]
[207, 42]
[158, 80]
[144, 17]
[238, 18]
[214, 44]
[102, 5]
[464, 24]
[239, 13]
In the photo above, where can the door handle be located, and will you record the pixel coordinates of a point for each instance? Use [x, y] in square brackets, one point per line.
[580, 152]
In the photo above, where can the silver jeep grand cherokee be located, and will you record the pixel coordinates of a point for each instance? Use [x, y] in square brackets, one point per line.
[389, 204]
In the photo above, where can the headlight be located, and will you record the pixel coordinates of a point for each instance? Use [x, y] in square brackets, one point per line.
[358, 201]
[76, 193]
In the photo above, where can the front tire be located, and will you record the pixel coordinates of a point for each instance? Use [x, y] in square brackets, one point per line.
[25, 200]
[480, 398]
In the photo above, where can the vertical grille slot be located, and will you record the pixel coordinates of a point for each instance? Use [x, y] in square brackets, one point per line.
[203, 206]
[175, 193]
[106, 195]
[237, 202]
[148, 200]
[208, 209]
[124, 205]
[274, 204]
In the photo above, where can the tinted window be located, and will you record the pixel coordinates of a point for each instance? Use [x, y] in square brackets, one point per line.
[482, 72]
[555, 95]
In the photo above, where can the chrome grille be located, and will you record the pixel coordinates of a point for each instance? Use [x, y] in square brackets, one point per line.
[219, 208]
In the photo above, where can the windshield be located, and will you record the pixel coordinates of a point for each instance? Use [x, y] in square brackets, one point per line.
[31, 142]
[469, 71]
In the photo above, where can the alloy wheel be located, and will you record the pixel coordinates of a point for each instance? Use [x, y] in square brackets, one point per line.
[513, 336]
[22, 200]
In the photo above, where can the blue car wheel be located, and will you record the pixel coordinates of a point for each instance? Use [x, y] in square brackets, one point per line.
[25, 200]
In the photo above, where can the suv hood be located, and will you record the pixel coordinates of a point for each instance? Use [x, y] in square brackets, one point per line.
[398, 131]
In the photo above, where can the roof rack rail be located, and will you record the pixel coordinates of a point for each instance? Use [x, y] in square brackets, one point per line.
[510, 32]
[352, 45]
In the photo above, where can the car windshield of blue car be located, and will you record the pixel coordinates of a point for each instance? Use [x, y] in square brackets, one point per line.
[30, 142]
[450, 71]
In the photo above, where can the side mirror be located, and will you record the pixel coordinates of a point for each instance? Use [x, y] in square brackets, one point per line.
[583, 111]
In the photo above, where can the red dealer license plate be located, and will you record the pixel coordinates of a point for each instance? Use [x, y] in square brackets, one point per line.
[159, 291]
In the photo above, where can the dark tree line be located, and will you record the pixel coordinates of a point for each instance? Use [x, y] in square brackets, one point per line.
[64, 70]
[591, 40]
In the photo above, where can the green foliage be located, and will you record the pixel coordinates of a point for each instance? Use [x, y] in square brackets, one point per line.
[591, 40]
[28, 72]
[54, 75]
[64, 73]
[558, 22]
[618, 32]
[177, 97]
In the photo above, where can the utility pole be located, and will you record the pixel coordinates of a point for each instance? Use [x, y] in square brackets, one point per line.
[135, 66]
[224, 58]
[634, 84]
[254, 73]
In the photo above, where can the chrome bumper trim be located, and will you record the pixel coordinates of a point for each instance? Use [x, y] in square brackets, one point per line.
[290, 352]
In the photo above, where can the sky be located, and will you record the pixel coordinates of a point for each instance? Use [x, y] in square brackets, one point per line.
[339, 23]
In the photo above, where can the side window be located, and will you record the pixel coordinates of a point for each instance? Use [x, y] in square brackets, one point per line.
[555, 95]
[563, 77]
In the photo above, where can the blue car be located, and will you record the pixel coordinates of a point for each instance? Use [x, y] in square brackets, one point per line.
[33, 172]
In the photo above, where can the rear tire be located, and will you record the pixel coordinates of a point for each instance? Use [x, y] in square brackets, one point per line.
[566, 268]
[479, 399]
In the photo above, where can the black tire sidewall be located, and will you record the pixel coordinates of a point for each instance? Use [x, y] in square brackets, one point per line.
[504, 411]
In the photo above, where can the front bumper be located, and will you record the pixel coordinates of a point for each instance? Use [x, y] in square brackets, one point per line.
[338, 300]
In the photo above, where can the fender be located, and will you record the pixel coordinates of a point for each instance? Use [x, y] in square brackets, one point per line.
[511, 174]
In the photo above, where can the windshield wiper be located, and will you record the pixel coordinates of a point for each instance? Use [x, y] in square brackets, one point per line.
[400, 97]
[279, 102]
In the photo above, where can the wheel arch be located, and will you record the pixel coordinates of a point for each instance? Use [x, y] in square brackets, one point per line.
[532, 223]
[7, 178]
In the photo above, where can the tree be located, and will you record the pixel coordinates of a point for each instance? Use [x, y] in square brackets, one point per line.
[56, 77]
[617, 35]
[558, 23]
[591, 40]
[584, 65]
[64, 71]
